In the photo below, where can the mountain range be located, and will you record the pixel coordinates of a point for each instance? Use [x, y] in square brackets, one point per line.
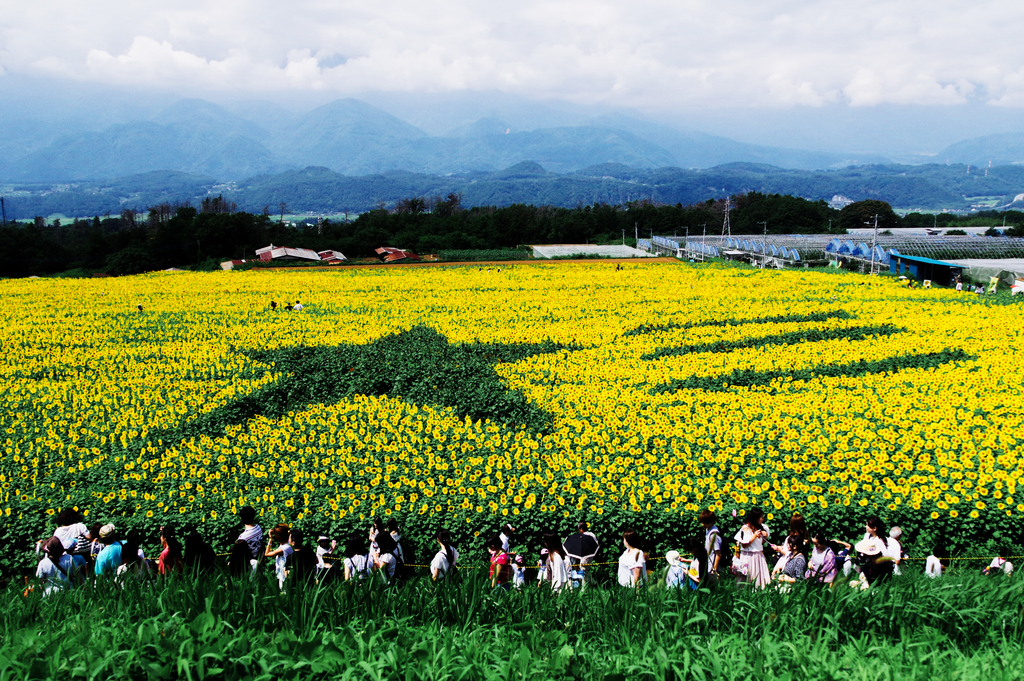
[353, 137]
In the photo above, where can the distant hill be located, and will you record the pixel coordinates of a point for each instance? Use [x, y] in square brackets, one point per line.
[1004, 149]
[192, 136]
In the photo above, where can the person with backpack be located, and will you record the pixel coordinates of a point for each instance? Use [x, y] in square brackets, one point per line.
[57, 570]
[446, 558]
[401, 572]
[357, 561]
[581, 549]
[385, 561]
[501, 572]
[712, 545]
[632, 563]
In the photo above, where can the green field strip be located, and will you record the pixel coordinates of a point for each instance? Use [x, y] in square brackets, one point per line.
[743, 378]
[778, 319]
[791, 338]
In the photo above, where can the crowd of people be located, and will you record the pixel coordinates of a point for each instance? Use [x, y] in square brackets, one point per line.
[77, 552]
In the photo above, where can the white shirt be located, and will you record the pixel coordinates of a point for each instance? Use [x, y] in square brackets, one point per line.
[932, 567]
[356, 566]
[320, 553]
[398, 543]
[559, 569]
[388, 564]
[52, 578]
[518, 575]
[440, 562]
[504, 541]
[1002, 564]
[281, 561]
[69, 534]
[630, 559]
[298, 306]
[747, 541]
[712, 540]
[894, 551]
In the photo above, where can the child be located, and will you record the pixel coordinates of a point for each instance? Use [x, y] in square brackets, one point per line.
[675, 578]
[999, 564]
[542, 567]
[324, 546]
[518, 572]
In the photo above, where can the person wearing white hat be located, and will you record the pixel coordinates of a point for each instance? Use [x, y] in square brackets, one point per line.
[894, 550]
[109, 558]
[877, 565]
[675, 578]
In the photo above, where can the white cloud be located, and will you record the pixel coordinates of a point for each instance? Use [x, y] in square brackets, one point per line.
[648, 53]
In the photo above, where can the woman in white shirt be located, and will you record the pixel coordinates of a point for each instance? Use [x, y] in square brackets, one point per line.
[632, 564]
[56, 570]
[822, 566]
[751, 539]
[558, 563]
[384, 561]
[445, 559]
[356, 559]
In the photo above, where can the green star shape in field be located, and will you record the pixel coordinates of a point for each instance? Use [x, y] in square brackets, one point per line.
[418, 365]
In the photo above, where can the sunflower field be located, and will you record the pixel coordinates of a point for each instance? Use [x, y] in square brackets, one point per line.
[536, 394]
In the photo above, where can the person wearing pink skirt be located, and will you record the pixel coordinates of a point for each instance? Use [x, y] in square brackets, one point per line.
[751, 566]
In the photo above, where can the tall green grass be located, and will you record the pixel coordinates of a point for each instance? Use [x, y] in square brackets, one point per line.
[960, 627]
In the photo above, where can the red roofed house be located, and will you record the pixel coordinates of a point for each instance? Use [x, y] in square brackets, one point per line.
[273, 252]
[391, 254]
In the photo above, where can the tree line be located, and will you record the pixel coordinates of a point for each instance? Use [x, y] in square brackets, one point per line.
[181, 235]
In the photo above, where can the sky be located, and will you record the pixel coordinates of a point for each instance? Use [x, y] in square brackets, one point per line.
[657, 56]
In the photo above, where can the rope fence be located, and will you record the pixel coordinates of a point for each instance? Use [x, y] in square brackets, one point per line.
[657, 558]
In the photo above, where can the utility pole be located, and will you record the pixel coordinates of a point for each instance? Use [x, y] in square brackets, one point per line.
[703, 241]
[3, 208]
[636, 231]
[874, 242]
[764, 245]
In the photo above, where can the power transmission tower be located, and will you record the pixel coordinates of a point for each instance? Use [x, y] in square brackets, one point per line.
[726, 227]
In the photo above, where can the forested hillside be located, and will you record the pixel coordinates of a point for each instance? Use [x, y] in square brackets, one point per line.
[321, 190]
